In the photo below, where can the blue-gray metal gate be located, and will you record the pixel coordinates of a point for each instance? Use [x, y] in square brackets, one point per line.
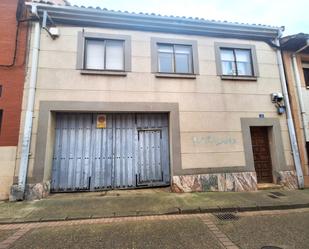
[130, 151]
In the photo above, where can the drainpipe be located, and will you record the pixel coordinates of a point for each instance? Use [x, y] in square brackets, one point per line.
[296, 157]
[299, 91]
[26, 139]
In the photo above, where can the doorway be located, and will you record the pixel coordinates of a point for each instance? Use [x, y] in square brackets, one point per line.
[261, 154]
[110, 151]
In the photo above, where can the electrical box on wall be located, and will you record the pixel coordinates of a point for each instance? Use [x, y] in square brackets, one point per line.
[54, 32]
[280, 110]
[276, 97]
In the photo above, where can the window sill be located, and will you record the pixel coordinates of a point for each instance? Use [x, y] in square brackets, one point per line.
[175, 75]
[250, 78]
[98, 72]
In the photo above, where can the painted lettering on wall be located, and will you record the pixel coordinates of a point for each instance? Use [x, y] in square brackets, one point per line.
[213, 140]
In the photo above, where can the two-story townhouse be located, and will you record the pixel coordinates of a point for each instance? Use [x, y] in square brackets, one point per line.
[123, 100]
[295, 49]
[13, 42]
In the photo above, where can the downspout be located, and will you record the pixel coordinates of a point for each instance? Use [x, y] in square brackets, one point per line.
[26, 139]
[294, 145]
[299, 91]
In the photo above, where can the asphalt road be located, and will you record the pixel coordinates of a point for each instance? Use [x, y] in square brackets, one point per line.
[180, 233]
[284, 229]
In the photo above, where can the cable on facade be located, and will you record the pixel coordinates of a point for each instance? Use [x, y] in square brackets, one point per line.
[19, 14]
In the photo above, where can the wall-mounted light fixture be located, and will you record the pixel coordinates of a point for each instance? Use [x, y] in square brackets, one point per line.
[49, 25]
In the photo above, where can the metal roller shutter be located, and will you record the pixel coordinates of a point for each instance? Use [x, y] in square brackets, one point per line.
[130, 151]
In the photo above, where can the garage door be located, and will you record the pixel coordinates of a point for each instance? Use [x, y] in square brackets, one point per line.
[110, 151]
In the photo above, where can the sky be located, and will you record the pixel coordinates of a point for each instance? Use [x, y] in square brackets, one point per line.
[293, 14]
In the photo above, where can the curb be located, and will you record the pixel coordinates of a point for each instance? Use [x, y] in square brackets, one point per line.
[178, 212]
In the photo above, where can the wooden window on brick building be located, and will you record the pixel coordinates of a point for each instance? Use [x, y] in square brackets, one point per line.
[306, 73]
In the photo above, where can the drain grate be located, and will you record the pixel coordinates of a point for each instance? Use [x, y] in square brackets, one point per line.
[226, 216]
[277, 193]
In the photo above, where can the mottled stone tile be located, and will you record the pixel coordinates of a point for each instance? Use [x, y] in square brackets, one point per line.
[245, 181]
[37, 191]
[221, 182]
[288, 179]
[253, 181]
[229, 182]
[209, 182]
[188, 183]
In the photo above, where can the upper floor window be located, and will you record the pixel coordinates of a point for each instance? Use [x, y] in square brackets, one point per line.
[236, 61]
[306, 73]
[174, 58]
[103, 53]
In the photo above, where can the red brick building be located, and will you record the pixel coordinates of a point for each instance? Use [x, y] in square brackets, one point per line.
[13, 45]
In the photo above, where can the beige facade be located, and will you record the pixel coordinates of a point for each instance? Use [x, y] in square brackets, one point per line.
[7, 167]
[210, 109]
[210, 116]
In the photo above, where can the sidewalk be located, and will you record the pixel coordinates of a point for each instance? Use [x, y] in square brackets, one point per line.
[120, 203]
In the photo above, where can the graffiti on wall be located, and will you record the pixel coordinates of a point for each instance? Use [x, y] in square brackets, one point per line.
[213, 140]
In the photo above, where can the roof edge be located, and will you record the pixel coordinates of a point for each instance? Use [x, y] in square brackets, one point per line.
[79, 16]
[295, 42]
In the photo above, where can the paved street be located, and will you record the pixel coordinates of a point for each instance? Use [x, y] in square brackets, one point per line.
[285, 229]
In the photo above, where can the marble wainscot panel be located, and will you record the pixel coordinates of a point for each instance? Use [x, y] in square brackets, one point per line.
[288, 179]
[188, 183]
[209, 182]
[240, 182]
[243, 181]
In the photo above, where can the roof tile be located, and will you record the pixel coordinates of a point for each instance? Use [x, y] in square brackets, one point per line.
[53, 2]
[66, 3]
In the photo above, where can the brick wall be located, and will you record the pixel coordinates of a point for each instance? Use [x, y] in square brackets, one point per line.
[11, 77]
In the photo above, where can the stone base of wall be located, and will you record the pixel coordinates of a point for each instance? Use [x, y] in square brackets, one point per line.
[244, 181]
[237, 182]
[32, 192]
[287, 179]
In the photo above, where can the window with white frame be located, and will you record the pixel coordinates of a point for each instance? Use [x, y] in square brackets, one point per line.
[174, 58]
[103, 53]
[236, 61]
